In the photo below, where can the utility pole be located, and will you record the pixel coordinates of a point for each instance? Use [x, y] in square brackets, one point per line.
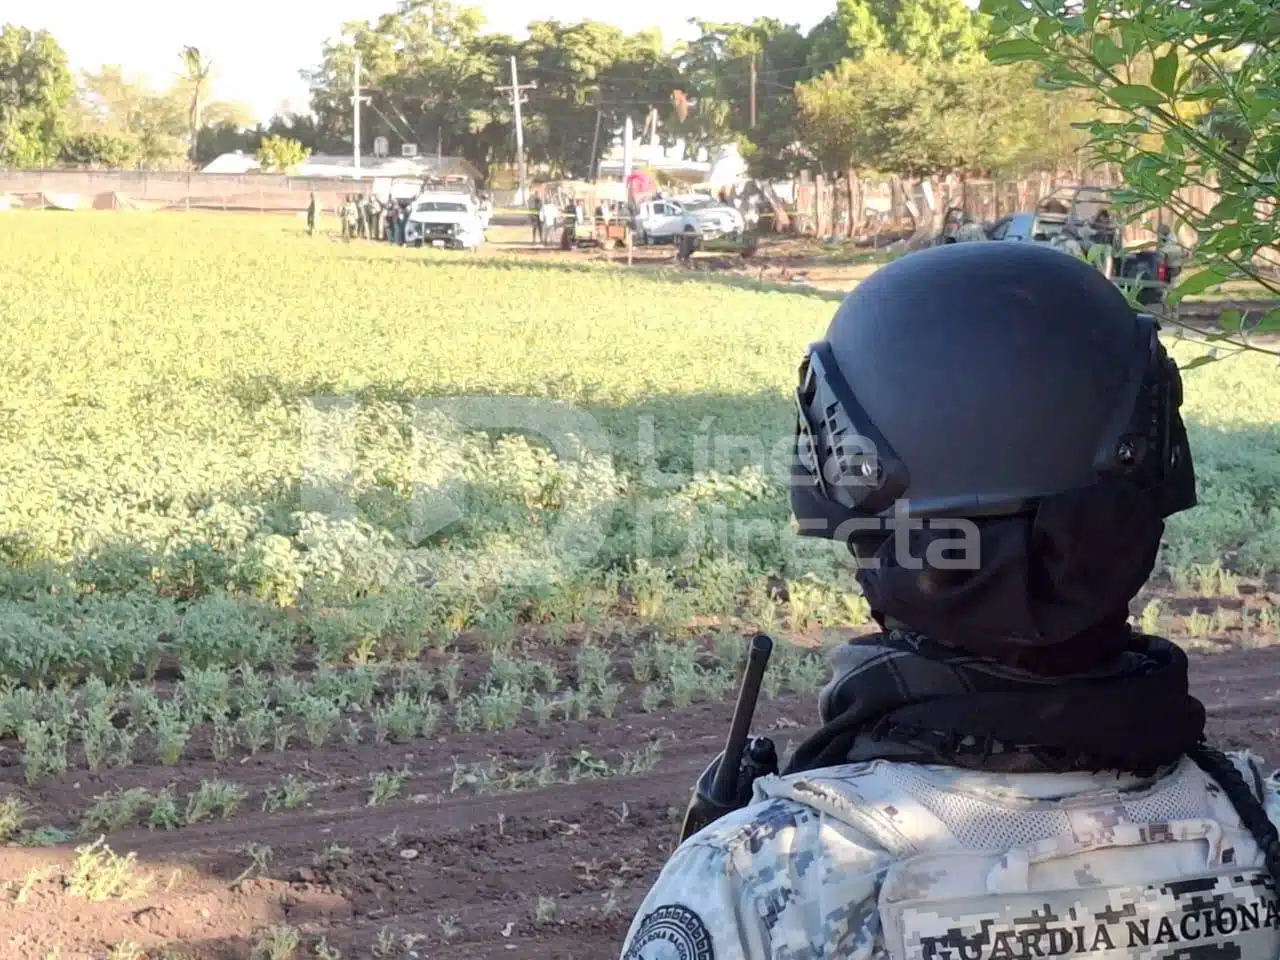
[595, 142]
[355, 105]
[628, 132]
[516, 90]
[753, 91]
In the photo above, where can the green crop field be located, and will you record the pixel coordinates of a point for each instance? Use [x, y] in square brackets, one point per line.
[267, 493]
[158, 422]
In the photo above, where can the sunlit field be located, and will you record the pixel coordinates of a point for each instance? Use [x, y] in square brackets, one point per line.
[273, 498]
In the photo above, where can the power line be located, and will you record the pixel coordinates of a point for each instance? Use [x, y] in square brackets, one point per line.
[516, 90]
[387, 120]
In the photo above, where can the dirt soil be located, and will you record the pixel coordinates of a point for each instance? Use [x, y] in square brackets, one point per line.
[440, 871]
[797, 262]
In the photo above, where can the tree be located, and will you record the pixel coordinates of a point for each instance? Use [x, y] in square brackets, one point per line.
[717, 67]
[281, 154]
[888, 114]
[590, 76]
[196, 70]
[848, 116]
[35, 88]
[852, 32]
[925, 31]
[1185, 96]
[429, 76]
[155, 123]
[932, 31]
[96, 150]
[225, 127]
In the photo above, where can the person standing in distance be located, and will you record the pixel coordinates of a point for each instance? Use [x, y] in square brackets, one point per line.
[1006, 770]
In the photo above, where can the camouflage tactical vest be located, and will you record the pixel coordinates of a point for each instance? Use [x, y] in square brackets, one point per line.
[983, 872]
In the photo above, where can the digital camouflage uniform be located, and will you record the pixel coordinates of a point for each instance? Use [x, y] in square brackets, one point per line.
[1167, 244]
[1068, 244]
[969, 232]
[913, 862]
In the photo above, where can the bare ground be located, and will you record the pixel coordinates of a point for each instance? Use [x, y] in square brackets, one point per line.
[449, 868]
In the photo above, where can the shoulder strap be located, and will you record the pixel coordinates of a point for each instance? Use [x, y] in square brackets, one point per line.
[1250, 808]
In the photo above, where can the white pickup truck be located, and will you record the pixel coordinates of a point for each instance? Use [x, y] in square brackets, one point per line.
[450, 220]
[664, 221]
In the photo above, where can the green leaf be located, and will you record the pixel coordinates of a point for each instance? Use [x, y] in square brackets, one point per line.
[1091, 8]
[1213, 91]
[1045, 30]
[1106, 52]
[1131, 37]
[1164, 76]
[1061, 76]
[1270, 322]
[1230, 319]
[1175, 144]
[1074, 26]
[997, 8]
[1135, 95]
[1196, 283]
[1231, 208]
[1261, 108]
[1009, 51]
[1225, 240]
[1199, 361]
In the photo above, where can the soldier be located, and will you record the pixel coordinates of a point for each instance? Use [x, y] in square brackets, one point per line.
[342, 219]
[549, 214]
[1007, 770]
[393, 221]
[402, 221]
[970, 230]
[1069, 242]
[312, 211]
[1167, 244]
[353, 217]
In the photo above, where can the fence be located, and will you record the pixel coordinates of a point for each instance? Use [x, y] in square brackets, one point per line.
[821, 207]
[885, 206]
[253, 192]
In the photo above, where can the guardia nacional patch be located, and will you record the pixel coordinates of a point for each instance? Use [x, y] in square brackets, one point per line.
[672, 932]
[1217, 917]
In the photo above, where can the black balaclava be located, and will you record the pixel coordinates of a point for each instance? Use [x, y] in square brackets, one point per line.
[1051, 595]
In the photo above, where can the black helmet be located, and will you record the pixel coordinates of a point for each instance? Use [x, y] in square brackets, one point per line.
[976, 379]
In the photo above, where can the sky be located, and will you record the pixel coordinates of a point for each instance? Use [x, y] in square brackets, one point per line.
[258, 46]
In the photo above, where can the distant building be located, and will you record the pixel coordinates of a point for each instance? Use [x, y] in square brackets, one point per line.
[655, 159]
[238, 162]
[333, 167]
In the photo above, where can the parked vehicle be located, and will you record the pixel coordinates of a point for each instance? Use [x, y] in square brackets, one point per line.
[668, 220]
[581, 228]
[591, 214]
[449, 220]
[1082, 219]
